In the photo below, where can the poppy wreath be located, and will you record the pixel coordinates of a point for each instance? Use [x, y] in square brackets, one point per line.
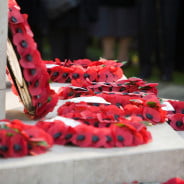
[176, 118]
[18, 139]
[129, 86]
[132, 84]
[126, 132]
[33, 68]
[148, 109]
[143, 103]
[78, 71]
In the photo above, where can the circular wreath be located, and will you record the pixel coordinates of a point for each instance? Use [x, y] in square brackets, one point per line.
[32, 67]
[125, 132]
[18, 139]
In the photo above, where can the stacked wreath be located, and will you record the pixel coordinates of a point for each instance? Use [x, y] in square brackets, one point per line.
[132, 103]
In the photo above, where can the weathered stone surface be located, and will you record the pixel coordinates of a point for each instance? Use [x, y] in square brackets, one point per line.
[157, 161]
[2, 103]
[3, 39]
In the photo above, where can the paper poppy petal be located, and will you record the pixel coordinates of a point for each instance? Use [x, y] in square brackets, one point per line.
[151, 114]
[122, 136]
[82, 136]
[18, 146]
[30, 59]
[24, 43]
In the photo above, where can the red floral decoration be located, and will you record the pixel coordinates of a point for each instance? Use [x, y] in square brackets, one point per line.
[176, 118]
[18, 139]
[176, 121]
[124, 133]
[33, 67]
[80, 70]
[176, 180]
[103, 115]
[177, 105]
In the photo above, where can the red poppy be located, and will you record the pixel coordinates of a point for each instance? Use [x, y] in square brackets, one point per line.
[77, 72]
[83, 62]
[26, 25]
[18, 139]
[176, 121]
[117, 72]
[24, 43]
[12, 3]
[15, 124]
[107, 86]
[149, 87]
[152, 101]
[109, 114]
[102, 137]
[80, 82]
[131, 83]
[48, 106]
[32, 74]
[109, 138]
[122, 136]
[131, 109]
[134, 123]
[18, 146]
[68, 107]
[146, 135]
[109, 63]
[137, 139]
[176, 180]
[38, 84]
[151, 114]
[177, 105]
[4, 143]
[96, 87]
[17, 28]
[67, 63]
[83, 134]
[58, 131]
[45, 125]
[89, 114]
[60, 74]
[30, 59]
[91, 73]
[137, 129]
[66, 93]
[100, 86]
[38, 140]
[14, 15]
[68, 136]
[96, 63]
[40, 98]
[115, 98]
[163, 115]
[105, 75]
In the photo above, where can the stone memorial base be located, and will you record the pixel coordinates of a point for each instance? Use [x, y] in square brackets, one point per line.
[2, 103]
[157, 161]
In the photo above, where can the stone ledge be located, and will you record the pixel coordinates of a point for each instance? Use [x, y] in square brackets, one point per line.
[157, 161]
[2, 103]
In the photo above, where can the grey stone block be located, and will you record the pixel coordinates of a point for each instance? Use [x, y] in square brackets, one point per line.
[156, 161]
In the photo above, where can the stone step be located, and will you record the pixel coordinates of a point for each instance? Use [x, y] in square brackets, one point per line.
[157, 161]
